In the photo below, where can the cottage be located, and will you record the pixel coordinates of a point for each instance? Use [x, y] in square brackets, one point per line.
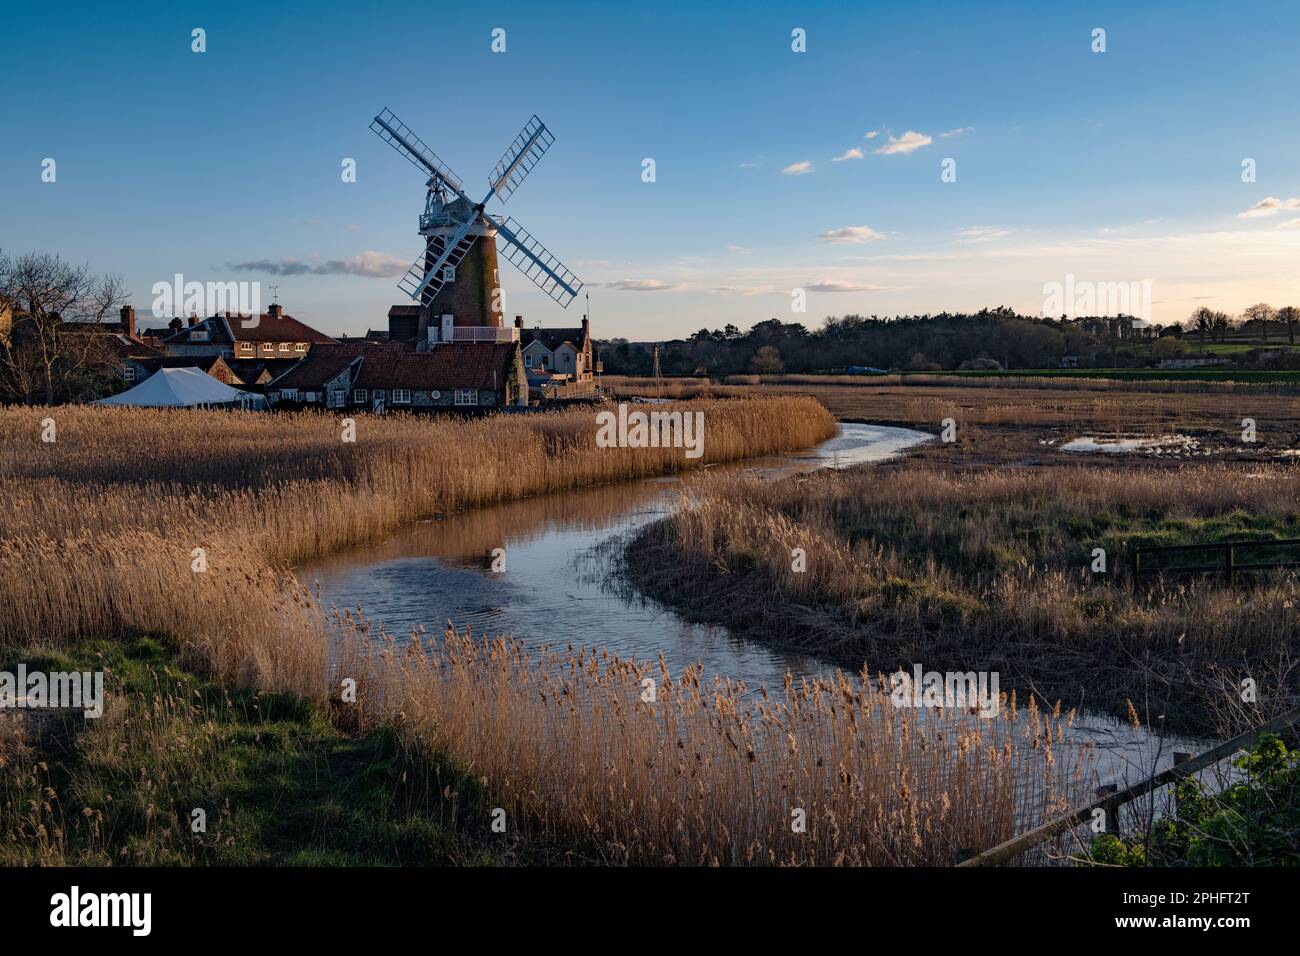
[369, 375]
[269, 336]
[461, 376]
[560, 352]
[323, 379]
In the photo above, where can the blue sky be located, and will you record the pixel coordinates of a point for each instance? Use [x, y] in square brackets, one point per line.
[1115, 166]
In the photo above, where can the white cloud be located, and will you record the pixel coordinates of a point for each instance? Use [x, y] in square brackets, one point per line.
[641, 285]
[1270, 206]
[799, 169]
[872, 135]
[840, 285]
[957, 132]
[851, 153]
[740, 250]
[983, 234]
[370, 265]
[851, 234]
[907, 143]
[1289, 224]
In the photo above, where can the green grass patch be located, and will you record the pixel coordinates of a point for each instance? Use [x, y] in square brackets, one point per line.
[277, 781]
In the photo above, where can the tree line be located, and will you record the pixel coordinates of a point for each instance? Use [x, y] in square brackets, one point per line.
[996, 338]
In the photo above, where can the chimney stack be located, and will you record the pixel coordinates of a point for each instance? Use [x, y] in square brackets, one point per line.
[194, 319]
[519, 321]
[276, 310]
[128, 320]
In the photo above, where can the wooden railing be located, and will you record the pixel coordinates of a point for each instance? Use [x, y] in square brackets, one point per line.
[1110, 798]
[1231, 558]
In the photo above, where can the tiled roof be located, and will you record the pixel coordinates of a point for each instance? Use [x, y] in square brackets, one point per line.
[203, 363]
[250, 370]
[268, 328]
[323, 363]
[446, 366]
[553, 338]
[129, 348]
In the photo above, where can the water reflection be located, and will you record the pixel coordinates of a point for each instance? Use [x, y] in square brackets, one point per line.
[555, 587]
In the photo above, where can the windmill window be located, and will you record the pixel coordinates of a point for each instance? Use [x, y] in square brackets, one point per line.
[448, 273]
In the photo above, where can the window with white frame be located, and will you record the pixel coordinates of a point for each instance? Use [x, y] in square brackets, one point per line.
[300, 346]
[286, 347]
[245, 348]
[128, 372]
[401, 396]
[466, 396]
[448, 273]
[289, 394]
[359, 395]
[310, 397]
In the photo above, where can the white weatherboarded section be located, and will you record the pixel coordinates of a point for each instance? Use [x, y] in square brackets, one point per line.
[183, 388]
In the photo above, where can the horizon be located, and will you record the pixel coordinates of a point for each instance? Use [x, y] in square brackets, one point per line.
[818, 170]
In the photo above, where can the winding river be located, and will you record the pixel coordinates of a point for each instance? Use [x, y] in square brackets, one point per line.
[556, 587]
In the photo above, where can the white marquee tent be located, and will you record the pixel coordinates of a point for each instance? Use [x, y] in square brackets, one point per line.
[184, 388]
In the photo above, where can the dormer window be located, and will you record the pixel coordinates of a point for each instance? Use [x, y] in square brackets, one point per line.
[245, 348]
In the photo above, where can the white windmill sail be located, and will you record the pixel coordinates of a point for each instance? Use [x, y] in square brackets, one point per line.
[424, 279]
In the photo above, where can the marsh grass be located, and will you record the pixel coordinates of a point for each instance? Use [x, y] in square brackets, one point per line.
[711, 772]
[994, 566]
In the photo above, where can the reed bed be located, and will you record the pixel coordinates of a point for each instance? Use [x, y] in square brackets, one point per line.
[993, 566]
[710, 773]
[1154, 383]
[107, 522]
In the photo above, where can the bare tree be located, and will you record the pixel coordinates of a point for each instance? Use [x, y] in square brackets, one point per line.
[1289, 315]
[52, 340]
[767, 361]
[1263, 313]
[1202, 322]
[1221, 325]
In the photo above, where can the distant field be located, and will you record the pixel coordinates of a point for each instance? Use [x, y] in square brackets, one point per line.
[1140, 374]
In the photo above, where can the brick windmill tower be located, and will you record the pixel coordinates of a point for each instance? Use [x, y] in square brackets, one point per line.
[455, 282]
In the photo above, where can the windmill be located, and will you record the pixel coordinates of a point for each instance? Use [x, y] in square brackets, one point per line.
[445, 279]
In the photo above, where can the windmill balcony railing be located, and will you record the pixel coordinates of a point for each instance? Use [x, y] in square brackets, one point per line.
[476, 333]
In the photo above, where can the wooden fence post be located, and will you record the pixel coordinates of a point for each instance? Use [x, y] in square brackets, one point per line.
[1112, 813]
[1180, 757]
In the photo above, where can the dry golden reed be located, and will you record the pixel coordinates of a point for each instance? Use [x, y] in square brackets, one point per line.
[706, 772]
